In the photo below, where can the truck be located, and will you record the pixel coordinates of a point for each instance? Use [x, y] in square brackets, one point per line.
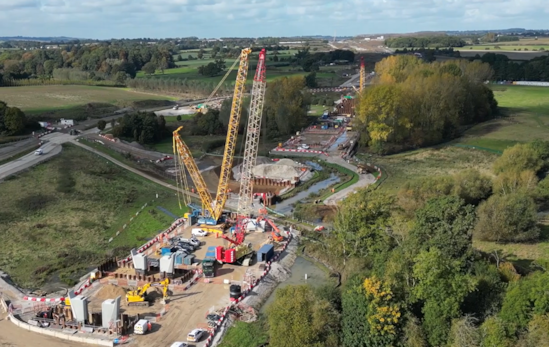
[208, 263]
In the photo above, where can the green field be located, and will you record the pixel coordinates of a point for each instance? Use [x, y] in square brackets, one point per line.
[327, 76]
[57, 218]
[503, 47]
[525, 117]
[75, 102]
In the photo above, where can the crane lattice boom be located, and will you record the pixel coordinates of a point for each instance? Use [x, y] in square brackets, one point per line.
[232, 133]
[252, 137]
[215, 207]
[184, 154]
[362, 74]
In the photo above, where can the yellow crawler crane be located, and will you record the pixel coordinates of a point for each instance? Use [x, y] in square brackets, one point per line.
[183, 153]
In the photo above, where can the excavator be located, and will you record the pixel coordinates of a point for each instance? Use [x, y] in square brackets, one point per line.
[138, 297]
[275, 234]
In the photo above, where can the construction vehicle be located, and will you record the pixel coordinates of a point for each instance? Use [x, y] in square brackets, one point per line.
[275, 234]
[213, 208]
[141, 327]
[208, 263]
[238, 253]
[138, 297]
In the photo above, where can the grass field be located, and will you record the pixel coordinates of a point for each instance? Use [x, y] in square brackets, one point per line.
[57, 218]
[408, 166]
[525, 117]
[503, 47]
[74, 102]
[327, 76]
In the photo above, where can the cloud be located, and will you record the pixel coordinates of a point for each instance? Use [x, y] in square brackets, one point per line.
[221, 18]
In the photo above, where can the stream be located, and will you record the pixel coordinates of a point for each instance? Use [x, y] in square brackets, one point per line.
[287, 205]
[339, 140]
[315, 277]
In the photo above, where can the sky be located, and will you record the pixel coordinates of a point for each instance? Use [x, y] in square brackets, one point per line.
[105, 19]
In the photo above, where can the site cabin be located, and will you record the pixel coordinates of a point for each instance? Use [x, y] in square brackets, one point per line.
[64, 121]
[141, 327]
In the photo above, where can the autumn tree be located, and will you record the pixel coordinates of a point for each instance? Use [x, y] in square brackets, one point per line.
[413, 103]
[384, 316]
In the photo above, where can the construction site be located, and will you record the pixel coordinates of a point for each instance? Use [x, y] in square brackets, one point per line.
[184, 283]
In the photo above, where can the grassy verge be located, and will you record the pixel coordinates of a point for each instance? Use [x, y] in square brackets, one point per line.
[58, 217]
[246, 334]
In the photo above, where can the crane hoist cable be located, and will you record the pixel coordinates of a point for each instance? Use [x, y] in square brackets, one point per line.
[212, 94]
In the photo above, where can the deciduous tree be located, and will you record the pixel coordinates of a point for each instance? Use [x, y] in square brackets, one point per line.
[298, 318]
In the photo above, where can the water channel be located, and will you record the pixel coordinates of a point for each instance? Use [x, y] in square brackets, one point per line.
[316, 277]
[287, 205]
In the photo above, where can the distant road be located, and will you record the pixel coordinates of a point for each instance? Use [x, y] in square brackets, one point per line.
[12, 149]
[29, 160]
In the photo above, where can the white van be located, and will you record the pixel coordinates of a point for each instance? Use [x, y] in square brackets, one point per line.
[141, 327]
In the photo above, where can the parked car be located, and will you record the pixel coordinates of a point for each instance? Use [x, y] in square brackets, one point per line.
[180, 344]
[304, 146]
[193, 241]
[195, 335]
[185, 246]
[199, 232]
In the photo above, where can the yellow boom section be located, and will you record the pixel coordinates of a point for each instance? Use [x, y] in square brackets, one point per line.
[184, 154]
[232, 133]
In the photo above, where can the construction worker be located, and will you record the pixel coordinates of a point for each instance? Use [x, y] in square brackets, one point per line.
[149, 326]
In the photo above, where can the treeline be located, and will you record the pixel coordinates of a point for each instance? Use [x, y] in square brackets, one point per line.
[414, 104]
[410, 273]
[506, 69]
[104, 57]
[143, 127]
[312, 61]
[284, 112]
[427, 41]
[178, 85]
